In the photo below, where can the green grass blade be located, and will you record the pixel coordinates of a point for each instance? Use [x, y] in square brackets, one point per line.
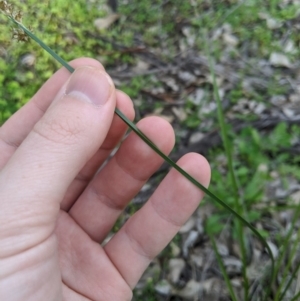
[295, 298]
[290, 282]
[156, 149]
[279, 297]
[226, 143]
[222, 267]
[284, 245]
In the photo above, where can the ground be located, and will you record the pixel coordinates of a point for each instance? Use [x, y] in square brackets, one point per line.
[176, 59]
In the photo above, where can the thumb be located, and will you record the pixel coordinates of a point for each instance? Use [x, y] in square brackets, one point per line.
[35, 179]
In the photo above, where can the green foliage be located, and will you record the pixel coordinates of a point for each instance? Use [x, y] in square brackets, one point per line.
[134, 87]
[19, 81]
[148, 293]
[248, 24]
[279, 137]
[252, 151]
[214, 224]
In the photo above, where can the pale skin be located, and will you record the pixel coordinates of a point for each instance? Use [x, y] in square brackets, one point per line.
[54, 210]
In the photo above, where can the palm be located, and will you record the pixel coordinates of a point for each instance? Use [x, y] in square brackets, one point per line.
[87, 272]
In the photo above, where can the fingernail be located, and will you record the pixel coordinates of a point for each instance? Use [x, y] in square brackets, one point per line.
[90, 84]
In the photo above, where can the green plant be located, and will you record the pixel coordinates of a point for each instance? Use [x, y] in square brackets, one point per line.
[248, 149]
[223, 269]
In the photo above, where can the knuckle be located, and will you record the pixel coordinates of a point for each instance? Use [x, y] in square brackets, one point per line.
[119, 291]
[66, 130]
[124, 293]
[138, 247]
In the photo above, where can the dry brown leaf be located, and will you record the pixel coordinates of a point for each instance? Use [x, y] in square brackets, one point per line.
[176, 266]
[104, 23]
[280, 60]
[191, 290]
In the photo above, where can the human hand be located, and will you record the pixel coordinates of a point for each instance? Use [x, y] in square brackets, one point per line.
[54, 210]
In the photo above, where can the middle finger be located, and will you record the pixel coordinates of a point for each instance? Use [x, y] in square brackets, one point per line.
[98, 208]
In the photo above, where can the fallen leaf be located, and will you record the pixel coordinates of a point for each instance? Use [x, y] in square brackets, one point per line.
[222, 249]
[196, 137]
[28, 60]
[176, 266]
[296, 197]
[104, 23]
[189, 242]
[188, 226]
[198, 96]
[280, 60]
[289, 47]
[187, 77]
[180, 113]
[163, 287]
[140, 66]
[295, 98]
[278, 100]
[288, 112]
[273, 23]
[273, 248]
[233, 265]
[191, 290]
[230, 40]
